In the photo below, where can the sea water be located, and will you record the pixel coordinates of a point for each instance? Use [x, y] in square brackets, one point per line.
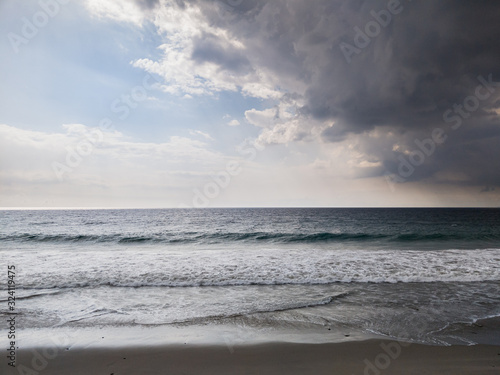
[402, 273]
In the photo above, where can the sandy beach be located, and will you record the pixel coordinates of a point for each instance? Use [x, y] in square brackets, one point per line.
[371, 357]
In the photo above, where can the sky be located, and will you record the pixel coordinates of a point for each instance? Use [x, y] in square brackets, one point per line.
[235, 103]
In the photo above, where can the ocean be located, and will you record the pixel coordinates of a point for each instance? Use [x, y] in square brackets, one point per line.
[417, 274]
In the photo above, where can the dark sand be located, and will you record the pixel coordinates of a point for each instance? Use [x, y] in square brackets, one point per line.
[363, 357]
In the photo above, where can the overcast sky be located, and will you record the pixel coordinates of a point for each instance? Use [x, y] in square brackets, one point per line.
[171, 103]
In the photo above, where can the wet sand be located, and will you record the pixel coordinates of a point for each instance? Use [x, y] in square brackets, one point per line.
[371, 357]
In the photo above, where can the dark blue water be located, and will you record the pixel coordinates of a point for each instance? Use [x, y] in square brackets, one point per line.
[409, 228]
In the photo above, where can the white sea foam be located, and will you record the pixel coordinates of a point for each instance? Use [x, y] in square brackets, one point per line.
[182, 268]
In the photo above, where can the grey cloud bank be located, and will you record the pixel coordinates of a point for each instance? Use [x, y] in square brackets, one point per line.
[419, 60]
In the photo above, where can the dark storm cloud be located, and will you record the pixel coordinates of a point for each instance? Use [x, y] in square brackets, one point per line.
[421, 60]
[209, 48]
[424, 61]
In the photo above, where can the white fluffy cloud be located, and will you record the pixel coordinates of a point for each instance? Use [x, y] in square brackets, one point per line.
[200, 58]
[208, 47]
[121, 11]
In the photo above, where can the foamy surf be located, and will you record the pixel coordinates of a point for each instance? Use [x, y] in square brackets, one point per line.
[139, 268]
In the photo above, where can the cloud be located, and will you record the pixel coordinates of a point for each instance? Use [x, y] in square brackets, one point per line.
[210, 48]
[262, 119]
[487, 189]
[233, 122]
[47, 147]
[148, 4]
[402, 83]
[121, 11]
[412, 67]
[96, 158]
[202, 56]
[203, 134]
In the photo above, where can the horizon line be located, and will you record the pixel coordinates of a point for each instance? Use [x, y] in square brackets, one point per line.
[219, 207]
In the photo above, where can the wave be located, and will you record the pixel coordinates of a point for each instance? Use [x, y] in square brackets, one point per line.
[29, 237]
[99, 311]
[58, 288]
[90, 312]
[160, 267]
[271, 309]
[224, 237]
[238, 283]
[410, 237]
[32, 295]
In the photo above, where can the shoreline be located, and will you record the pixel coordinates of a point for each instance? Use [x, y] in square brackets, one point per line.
[369, 357]
[226, 349]
[484, 331]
